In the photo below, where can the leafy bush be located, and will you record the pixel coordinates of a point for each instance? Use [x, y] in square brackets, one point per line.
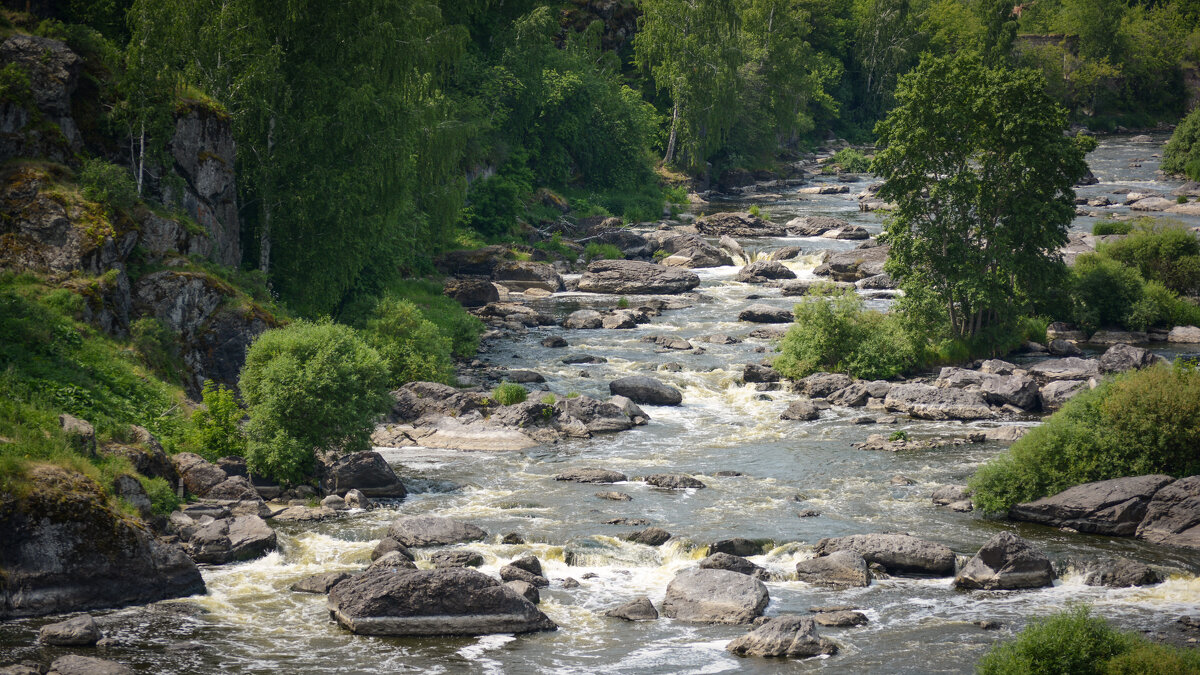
[414, 348]
[15, 86]
[1153, 659]
[1136, 423]
[1068, 643]
[1182, 154]
[833, 332]
[1105, 291]
[310, 386]
[849, 160]
[1112, 227]
[158, 346]
[215, 427]
[163, 499]
[509, 393]
[108, 184]
[597, 251]
[549, 399]
[1160, 250]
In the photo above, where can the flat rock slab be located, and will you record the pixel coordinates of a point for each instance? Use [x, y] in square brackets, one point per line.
[923, 401]
[788, 636]
[453, 601]
[844, 568]
[414, 531]
[1006, 562]
[841, 619]
[591, 475]
[1111, 507]
[632, 276]
[87, 665]
[897, 553]
[715, 596]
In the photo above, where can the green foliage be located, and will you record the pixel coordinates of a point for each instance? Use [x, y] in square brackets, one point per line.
[163, 499]
[1161, 250]
[848, 160]
[509, 393]
[596, 251]
[1137, 423]
[623, 302]
[158, 346]
[977, 164]
[1154, 659]
[833, 332]
[414, 348]
[496, 202]
[15, 86]
[216, 431]
[309, 386]
[549, 399]
[1107, 293]
[1182, 154]
[462, 328]
[898, 436]
[108, 184]
[1112, 227]
[1072, 642]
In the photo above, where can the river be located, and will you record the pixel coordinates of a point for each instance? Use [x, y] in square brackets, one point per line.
[249, 622]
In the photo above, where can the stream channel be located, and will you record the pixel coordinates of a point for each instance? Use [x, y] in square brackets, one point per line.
[249, 622]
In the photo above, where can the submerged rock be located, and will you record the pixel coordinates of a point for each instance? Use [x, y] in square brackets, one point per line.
[673, 481]
[1006, 562]
[788, 636]
[763, 313]
[638, 609]
[841, 619]
[453, 601]
[715, 596]
[591, 475]
[87, 665]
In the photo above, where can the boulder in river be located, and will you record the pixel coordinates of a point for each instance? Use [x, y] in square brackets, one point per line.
[762, 271]
[522, 275]
[367, 471]
[923, 401]
[645, 390]
[820, 385]
[231, 540]
[393, 560]
[838, 569]
[672, 481]
[416, 531]
[514, 572]
[80, 631]
[802, 410]
[1122, 357]
[452, 601]
[1006, 562]
[738, 546]
[583, 319]
[738, 224]
[787, 636]
[320, 583]
[1054, 394]
[897, 553]
[74, 664]
[842, 618]
[387, 545]
[762, 313]
[1120, 573]
[1069, 368]
[1111, 507]
[632, 276]
[733, 563]
[638, 609]
[651, 536]
[526, 589]
[690, 250]
[591, 475]
[1173, 516]
[715, 596]
[754, 372]
[457, 558]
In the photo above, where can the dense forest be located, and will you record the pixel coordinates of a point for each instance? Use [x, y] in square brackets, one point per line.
[373, 133]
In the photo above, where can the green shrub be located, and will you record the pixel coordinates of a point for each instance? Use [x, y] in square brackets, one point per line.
[414, 348]
[549, 399]
[848, 160]
[1069, 643]
[1153, 659]
[898, 436]
[757, 212]
[158, 346]
[597, 251]
[1182, 154]
[1112, 227]
[310, 386]
[108, 184]
[833, 332]
[15, 86]
[1136, 423]
[509, 393]
[1160, 250]
[163, 499]
[215, 427]
[1104, 290]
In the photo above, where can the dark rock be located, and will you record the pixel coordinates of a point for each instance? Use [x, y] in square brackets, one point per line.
[393, 560]
[554, 342]
[451, 601]
[897, 553]
[480, 261]
[530, 564]
[198, 474]
[631, 276]
[523, 275]
[388, 545]
[1019, 390]
[471, 292]
[738, 546]
[645, 390]
[367, 472]
[1121, 357]
[65, 550]
[638, 609]
[583, 358]
[80, 631]
[320, 583]
[130, 489]
[512, 538]
[715, 596]
[526, 589]
[673, 481]
[821, 385]
[591, 475]
[1120, 573]
[523, 377]
[839, 569]
[690, 250]
[1111, 507]
[841, 619]
[948, 494]
[231, 540]
[787, 636]
[632, 522]
[456, 559]
[416, 531]
[733, 563]
[923, 401]
[760, 313]
[513, 573]
[614, 496]
[651, 536]
[203, 149]
[759, 373]
[570, 582]
[1062, 347]
[87, 665]
[802, 410]
[1006, 562]
[1173, 516]
[763, 271]
[741, 224]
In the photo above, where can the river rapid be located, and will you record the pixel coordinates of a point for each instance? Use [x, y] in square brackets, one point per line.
[249, 622]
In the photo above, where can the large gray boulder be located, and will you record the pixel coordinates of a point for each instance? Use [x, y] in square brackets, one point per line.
[715, 596]
[415, 531]
[803, 410]
[591, 475]
[820, 385]
[937, 403]
[645, 390]
[1018, 390]
[638, 609]
[763, 313]
[1111, 507]
[368, 472]
[733, 563]
[1054, 394]
[788, 636]
[1120, 573]
[320, 583]
[690, 250]
[632, 276]
[231, 540]
[1006, 562]
[1070, 368]
[76, 632]
[74, 664]
[583, 319]
[897, 553]
[762, 271]
[451, 601]
[738, 224]
[673, 481]
[1173, 516]
[839, 569]
[524, 275]
[1122, 357]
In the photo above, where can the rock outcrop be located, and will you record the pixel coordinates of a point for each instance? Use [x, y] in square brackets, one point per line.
[645, 390]
[714, 596]
[203, 150]
[783, 636]
[1006, 562]
[897, 553]
[366, 472]
[632, 276]
[839, 569]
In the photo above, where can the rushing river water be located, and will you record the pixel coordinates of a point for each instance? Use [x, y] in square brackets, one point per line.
[250, 622]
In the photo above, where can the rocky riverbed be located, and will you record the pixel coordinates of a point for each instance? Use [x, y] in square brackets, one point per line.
[665, 529]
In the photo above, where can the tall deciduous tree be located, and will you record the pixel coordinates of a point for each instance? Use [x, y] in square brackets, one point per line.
[976, 161]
